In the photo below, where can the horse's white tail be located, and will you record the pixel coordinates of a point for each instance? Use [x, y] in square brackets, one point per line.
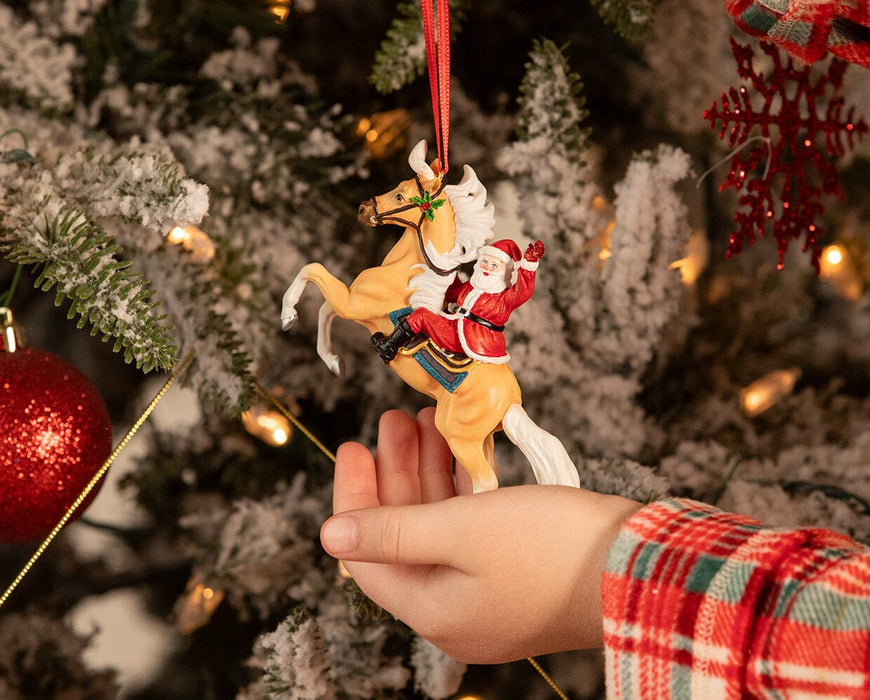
[545, 452]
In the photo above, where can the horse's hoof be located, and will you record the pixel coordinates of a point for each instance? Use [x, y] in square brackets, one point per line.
[482, 484]
[336, 366]
[288, 321]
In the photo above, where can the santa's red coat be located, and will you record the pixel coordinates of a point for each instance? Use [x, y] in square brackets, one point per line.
[457, 333]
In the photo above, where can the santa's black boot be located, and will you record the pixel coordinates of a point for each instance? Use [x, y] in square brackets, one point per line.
[388, 345]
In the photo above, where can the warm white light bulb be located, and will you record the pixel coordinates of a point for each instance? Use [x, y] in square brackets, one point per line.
[833, 254]
[836, 267]
[760, 395]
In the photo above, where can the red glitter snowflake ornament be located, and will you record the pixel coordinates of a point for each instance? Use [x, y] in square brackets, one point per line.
[784, 175]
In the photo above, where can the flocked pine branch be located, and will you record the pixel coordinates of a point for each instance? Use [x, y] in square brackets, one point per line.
[641, 291]
[556, 183]
[630, 18]
[66, 220]
[401, 58]
[204, 322]
[34, 67]
[295, 661]
[551, 101]
[436, 674]
[77, 257]
[681, 75]
[563, 338]
[142, 188]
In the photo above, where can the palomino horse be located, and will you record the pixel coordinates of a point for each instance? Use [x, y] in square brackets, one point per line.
[440, 235]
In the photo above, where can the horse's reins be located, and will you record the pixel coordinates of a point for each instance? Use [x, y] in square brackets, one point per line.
[389, 217]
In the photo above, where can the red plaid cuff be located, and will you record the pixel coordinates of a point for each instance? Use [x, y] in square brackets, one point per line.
[808, 28]
[702, 603]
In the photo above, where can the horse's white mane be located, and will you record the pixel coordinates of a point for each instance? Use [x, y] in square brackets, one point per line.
[474, 216]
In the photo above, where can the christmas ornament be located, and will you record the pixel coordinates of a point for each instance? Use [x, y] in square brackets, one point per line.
[807, 29]
[454, 354]
[55, 435]
[786, 170]
[476, 393]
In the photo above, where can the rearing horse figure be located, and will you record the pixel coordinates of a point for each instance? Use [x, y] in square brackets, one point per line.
[440, 235]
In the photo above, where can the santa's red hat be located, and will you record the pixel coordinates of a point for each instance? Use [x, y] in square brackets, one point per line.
[505, 250]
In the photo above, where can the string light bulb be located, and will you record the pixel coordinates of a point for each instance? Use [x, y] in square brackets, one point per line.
[280, 11]
[267, 424]
[836, 266]
[8, 330]
[697, 255]
[270, 425]
[764, 392]
[195, 608]
[192, 239]
[603, 207]
[384, 133]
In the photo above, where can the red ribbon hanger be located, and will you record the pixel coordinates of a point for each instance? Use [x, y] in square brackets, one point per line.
[438, 61]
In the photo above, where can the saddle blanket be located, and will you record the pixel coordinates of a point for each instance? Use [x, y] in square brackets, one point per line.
[447, 368]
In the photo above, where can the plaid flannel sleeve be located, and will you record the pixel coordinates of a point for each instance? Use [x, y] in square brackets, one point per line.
[809, 28]
[701, 603]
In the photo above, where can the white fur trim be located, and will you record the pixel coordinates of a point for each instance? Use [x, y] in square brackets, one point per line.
[494, 252]
[529, 265]
[469, 303]
[473, 355]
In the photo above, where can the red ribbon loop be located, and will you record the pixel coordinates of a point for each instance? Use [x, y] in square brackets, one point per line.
[438, 61]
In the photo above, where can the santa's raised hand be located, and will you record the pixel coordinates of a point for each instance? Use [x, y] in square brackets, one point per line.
[535, 251]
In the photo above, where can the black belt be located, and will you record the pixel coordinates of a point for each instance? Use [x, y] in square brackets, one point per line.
[477, 319]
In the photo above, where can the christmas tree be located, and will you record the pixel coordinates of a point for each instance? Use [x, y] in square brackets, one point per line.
[166, 169]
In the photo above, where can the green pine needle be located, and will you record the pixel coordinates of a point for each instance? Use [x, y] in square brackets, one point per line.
[77, 257]
[630, 19]
[401, 58]
[551, 100]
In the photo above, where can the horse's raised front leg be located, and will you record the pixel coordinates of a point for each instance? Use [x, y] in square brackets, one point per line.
[334, 291]
[291, 298]
[324, 340]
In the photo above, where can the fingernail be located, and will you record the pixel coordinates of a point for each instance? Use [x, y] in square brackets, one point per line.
[340, 535]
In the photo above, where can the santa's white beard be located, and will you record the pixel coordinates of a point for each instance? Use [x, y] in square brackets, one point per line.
[491, 284]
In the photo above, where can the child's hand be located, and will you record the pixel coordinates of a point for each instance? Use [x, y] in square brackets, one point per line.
[488, 578]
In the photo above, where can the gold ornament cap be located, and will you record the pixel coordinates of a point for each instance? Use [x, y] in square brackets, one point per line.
[8, 330]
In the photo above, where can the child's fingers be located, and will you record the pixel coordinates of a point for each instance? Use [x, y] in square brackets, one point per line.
[463, 481]
[356, 484]
[397, 460]
[436, 460]
[390, 535]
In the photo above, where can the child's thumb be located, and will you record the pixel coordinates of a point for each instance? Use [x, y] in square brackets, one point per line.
[388, 535]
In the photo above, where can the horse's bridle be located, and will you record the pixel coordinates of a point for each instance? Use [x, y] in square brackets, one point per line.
[388, 217]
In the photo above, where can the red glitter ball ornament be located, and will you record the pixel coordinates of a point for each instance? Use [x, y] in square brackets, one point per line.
[55, 434]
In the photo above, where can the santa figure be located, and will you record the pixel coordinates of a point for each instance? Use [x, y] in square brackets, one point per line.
[481, 306]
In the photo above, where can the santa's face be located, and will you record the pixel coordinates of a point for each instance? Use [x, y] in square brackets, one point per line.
[490, 275]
